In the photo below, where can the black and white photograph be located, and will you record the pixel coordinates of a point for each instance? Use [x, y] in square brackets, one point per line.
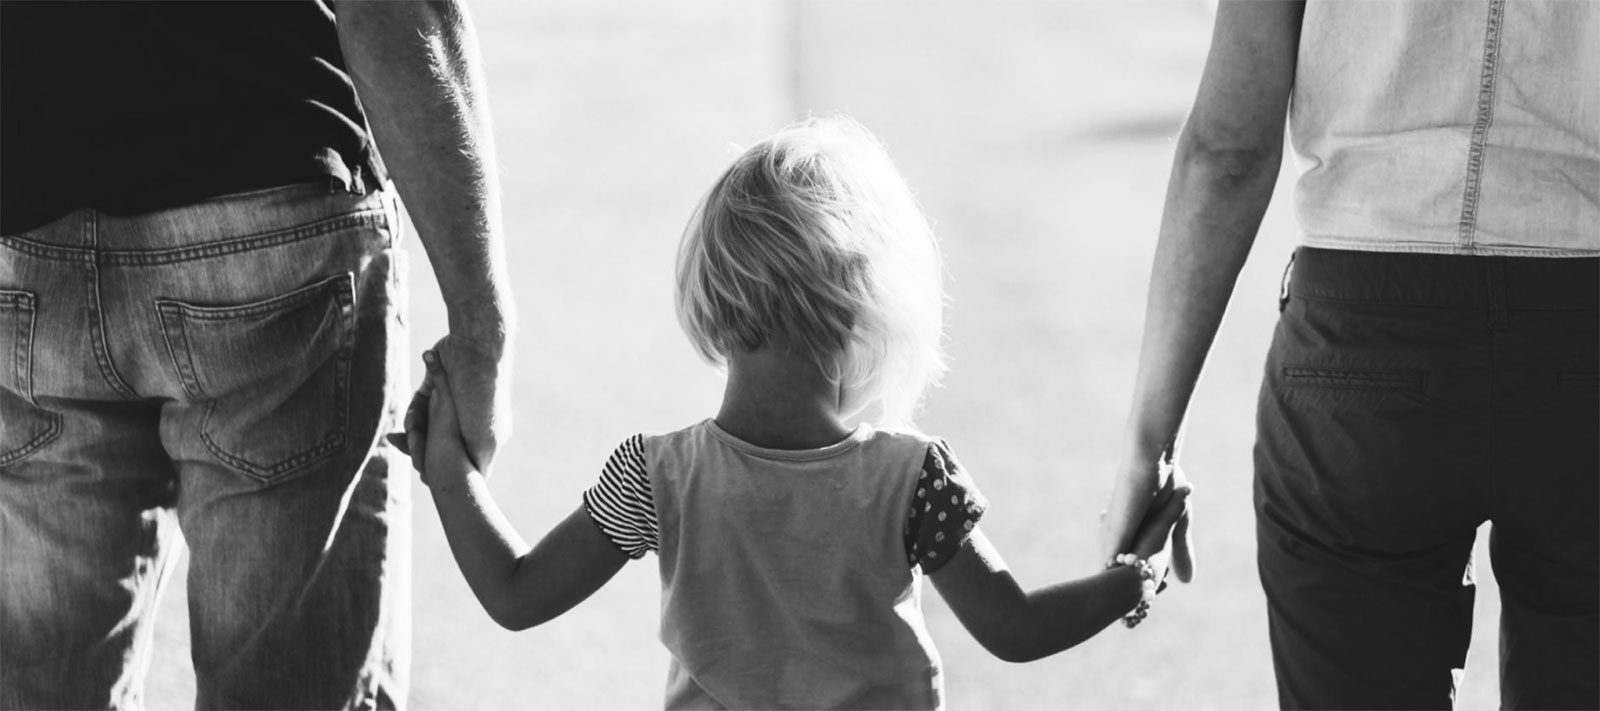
[799, 354]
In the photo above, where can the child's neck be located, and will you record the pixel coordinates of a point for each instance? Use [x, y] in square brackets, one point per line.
[779, 399]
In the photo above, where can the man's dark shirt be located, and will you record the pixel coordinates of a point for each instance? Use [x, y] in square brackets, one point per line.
[129, 107]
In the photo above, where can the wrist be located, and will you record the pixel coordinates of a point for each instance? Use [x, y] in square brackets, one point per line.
[1149, 579]
[1143, 453]
[1153, 425]
[454, 485]
[484, 332]
[487, 319]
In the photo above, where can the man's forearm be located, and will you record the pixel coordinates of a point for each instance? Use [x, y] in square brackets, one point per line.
[1215, 201]
[416, 69]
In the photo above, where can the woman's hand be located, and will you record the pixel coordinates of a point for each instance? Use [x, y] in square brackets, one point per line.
[1139, 493]
[1160, 528]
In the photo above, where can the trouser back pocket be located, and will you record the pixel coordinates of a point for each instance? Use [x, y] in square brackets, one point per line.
[274, 375]
[24, 426]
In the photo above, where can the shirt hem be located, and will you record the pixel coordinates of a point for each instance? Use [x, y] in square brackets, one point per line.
[1416, 247]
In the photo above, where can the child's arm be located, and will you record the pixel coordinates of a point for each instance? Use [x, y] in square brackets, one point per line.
[518, 587]
[1020, 626]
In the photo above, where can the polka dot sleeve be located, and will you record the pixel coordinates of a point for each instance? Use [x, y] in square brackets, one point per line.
[944, 509]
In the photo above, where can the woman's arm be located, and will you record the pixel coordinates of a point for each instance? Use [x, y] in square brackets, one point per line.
[1227, 161]
[1021, 626]
[518, 587]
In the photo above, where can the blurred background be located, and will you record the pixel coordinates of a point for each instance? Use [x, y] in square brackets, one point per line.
[1038, 137]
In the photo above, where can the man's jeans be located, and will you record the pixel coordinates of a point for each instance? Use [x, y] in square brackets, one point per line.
[226, 367]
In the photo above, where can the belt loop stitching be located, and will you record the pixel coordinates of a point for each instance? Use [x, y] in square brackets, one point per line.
[1466, 229]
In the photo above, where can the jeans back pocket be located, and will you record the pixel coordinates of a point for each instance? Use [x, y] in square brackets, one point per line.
[24, 426]
[274, 375]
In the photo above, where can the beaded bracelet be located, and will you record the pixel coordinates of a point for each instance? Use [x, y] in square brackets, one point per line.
[1147, 586]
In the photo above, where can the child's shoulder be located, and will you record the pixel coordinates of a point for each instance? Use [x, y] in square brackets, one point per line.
[707, 429]
[643, 441]
[914, 446]
[931, 455]
[883, 444]
[684, 440]
[903, 437]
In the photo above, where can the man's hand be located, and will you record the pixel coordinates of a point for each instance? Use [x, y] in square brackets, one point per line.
[481, 395]
[480, 381]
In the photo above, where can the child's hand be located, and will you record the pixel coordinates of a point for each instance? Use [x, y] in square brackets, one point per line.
[413, 437]
[1170, 509]
[442, 453]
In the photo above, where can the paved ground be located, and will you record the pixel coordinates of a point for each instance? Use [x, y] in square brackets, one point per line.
[1038, 137]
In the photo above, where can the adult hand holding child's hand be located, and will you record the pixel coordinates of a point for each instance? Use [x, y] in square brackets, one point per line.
[481, 380]
[1139, 493]
[443, 453]
[433, 429]
[480, 376]
[1157, 536]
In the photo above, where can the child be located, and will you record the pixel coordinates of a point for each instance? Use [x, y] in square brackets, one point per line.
[790, 543]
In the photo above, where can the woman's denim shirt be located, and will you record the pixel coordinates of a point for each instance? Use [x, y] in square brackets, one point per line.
[1449, 127]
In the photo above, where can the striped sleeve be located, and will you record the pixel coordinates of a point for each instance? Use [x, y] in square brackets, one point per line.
[622, 504]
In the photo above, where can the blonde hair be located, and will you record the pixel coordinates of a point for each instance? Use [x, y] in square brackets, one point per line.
[814, 238]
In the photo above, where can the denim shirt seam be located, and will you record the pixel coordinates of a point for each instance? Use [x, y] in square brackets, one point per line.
[1467, 226]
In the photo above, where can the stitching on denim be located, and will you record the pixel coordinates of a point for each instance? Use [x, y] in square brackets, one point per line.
[369, 218]
[45, 436]
[344, 300]
[24, 354]
[365, 218]
[274, 473]
[23, 365]
[1466, 229]
[97, 327]
[1323, 240]
[176, 336]
[1356, 378]
[22, 357]
[47, 251]
[287, 300]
